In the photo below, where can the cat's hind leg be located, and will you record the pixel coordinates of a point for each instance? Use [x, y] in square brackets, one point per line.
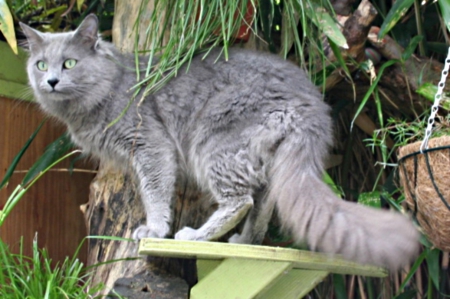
[231, 179]
[229, 213]
[256, 222]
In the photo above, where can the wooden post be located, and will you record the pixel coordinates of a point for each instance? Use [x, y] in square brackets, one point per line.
[115, 209]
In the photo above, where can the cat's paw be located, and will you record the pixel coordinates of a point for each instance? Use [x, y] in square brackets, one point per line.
[188, 233]
[145, 231]
[236, 239]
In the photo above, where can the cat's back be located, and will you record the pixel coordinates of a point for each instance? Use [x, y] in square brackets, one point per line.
[213, 93]
[214, 80]
[245, 67]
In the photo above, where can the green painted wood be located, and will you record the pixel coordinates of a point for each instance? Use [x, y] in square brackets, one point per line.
[215, 250]
[239, 278]
[294, 285]
[204, 267]
[13, 76]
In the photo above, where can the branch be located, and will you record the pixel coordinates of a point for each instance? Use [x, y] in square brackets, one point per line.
[356, 28]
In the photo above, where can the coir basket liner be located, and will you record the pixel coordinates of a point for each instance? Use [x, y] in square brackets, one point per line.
[425, 178]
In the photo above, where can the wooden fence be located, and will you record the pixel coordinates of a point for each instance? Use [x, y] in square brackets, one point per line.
[51, 208]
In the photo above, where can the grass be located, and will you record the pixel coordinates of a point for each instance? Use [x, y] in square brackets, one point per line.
[35, 277]
[203, 24]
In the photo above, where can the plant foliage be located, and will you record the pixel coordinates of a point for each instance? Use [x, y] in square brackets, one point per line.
[373, 111]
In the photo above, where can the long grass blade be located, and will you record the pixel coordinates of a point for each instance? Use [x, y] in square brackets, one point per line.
[371, 89]
[397, 11]
[19, 156]
[445, 12]
[52, 153]
[413, 270]
[326, 24]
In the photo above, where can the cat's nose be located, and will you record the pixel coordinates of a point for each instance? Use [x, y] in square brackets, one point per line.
[52, 82]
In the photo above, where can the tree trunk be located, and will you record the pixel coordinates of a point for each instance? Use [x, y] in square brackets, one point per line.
[115, 209]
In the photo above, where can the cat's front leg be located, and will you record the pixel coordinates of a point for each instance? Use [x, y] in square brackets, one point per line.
[156, 172]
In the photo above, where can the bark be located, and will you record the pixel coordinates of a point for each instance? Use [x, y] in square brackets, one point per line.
[405, 77]
[124, 30]
[356, 28]
[115, 209]
[342, 7]
[398, 85]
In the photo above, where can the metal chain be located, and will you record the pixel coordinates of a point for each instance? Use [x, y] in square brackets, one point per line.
[437, 100]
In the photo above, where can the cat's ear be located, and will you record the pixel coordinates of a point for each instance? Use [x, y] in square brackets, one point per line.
[34, 37]
[87, 32]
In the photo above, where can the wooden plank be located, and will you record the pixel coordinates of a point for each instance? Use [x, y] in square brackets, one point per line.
[239, 278]
[294, 284]
[291, 284]
[204, 267]
[214, 250]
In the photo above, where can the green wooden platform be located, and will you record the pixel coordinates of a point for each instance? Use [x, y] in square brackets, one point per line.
[232, 271]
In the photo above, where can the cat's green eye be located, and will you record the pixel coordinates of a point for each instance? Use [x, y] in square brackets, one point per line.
[70, 63]
[42, 66]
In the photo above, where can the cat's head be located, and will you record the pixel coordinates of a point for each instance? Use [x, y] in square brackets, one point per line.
[72, 66]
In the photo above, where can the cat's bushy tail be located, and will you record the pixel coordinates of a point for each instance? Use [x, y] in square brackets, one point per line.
[311, 212]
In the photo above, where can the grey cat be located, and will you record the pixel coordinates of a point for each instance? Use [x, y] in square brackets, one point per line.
[253, 131]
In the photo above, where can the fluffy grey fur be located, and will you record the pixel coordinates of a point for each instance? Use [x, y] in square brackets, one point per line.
[253, 131]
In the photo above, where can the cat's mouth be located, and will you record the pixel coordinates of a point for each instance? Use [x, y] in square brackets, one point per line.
[54, 94]
[53, 91]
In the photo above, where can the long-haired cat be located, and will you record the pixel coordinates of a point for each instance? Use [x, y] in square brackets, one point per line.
[236, 127]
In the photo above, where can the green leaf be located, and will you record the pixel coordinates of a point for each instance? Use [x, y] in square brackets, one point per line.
[371, 89]
[433, 266]
[320, 77]
[428, 91]
[393, 202]
[445, 12]
[411, 47]
[322, 19]
[52, 153]
[412, 271]
[438, 47]
[329, 181]
[79, 4]
[17, 158]
[339, 58]
[371, 199]
[409, 294]
[397, 11]
[7, 26]
[339, 286]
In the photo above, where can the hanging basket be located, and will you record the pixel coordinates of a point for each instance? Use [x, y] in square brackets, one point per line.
[425, 178]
